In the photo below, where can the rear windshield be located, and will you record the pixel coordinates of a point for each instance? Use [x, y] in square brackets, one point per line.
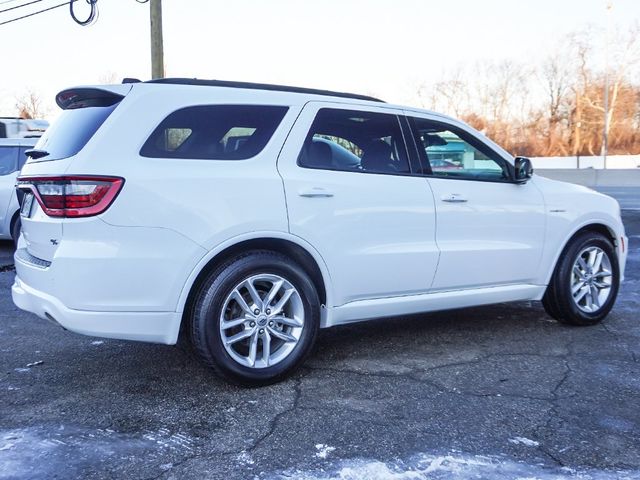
[71, 132]
[214, 132]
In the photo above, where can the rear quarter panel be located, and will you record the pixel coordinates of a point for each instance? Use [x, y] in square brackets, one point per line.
[208, 201]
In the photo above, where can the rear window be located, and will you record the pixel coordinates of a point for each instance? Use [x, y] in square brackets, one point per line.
[214, 132]
[71, 132]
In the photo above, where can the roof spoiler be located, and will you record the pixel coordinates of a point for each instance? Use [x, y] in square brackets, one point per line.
[86, 97]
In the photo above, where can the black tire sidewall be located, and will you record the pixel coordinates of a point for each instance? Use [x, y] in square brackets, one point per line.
[211, 301]
[562, 281]
[16, 226]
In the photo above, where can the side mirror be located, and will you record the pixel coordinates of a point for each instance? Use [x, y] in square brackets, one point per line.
[524, 169]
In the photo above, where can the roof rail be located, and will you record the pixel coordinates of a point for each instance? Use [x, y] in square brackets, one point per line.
[261, 86]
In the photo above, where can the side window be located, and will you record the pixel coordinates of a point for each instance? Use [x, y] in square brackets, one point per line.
[8, 157]
[214, 132]
[447, 151]
[352, 140]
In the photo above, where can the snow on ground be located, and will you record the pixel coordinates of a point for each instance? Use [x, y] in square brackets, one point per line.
[524, 441]
[323, 450]
[40, 452]
[453, 466]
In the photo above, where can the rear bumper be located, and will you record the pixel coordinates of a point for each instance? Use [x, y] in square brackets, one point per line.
[157, 327]
[101, 280]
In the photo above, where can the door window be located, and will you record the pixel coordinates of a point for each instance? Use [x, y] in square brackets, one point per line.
[449, 152]
[356, 141]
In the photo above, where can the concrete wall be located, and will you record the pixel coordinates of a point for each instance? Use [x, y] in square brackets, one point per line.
[592, 177]
[613, 162]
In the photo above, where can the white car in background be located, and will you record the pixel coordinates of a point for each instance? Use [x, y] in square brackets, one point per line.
[253, 215]
[14, 127]
[12, 158]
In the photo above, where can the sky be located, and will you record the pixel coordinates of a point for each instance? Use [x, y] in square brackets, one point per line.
[385, 48]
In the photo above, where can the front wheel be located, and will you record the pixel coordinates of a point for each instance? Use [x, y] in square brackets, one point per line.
[585, 283]
[255, 318]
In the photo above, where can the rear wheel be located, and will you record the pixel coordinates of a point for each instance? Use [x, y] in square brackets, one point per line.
[255, 318]
[585, 283]
[16, 227]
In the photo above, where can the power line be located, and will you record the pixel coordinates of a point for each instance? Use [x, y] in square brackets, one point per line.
[20, 6]
[7, 1]
[91, 18]
[38, 12]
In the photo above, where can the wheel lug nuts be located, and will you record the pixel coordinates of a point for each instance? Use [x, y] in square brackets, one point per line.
[261, 331]
[268, 311]
[252, 324]
[256, 311]
[271, 324]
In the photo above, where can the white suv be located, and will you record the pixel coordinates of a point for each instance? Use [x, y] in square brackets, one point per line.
[253, 215]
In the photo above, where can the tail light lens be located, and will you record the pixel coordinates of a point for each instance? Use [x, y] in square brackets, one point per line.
[72, 196]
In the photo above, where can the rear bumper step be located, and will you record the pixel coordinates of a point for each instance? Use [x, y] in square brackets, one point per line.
[25, 257]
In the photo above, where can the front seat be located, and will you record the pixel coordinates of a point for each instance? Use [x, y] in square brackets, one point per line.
[318, 155]
[378, 158]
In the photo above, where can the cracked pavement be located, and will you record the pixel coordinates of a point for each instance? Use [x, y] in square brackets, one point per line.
[503, 382]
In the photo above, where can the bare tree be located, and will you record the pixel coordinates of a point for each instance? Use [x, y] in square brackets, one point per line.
[108, 78]
[556, 107]
[628, 58]
[450, 95]
[556, 75]
[30, 105]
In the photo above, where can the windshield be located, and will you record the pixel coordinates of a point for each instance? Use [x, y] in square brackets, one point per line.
[71, 132]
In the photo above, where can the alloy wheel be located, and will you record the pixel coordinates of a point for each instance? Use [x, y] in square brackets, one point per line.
[261, 321]
[591, 279]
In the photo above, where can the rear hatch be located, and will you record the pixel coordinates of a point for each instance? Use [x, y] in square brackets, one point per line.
[48, 190]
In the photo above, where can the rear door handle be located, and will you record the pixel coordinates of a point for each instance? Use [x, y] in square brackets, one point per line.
[315, 192]
[454, 198]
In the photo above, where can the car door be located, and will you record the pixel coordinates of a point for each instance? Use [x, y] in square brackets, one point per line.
[8, 165]
[490, 230]
[351, 194]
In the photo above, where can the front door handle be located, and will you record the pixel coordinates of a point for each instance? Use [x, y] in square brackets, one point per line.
[454, 198]
[315, 192]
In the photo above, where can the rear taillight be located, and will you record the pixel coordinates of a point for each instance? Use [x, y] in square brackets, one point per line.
[72, 196]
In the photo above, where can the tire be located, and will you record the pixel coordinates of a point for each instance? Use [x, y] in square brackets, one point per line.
[220, 298]
[16, 227]
[572, 277]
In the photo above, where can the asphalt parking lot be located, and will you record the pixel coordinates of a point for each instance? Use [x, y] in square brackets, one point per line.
[492, 392]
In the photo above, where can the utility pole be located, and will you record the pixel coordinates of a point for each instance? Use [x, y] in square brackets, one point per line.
[157, 49]
[605, 131]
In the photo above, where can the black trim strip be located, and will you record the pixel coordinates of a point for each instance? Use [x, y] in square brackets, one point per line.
[261, 86]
